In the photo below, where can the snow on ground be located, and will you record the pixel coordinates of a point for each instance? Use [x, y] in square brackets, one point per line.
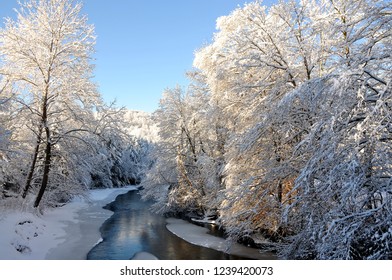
[144, 256]
[67, 232]
[199, 236]
[71, 231]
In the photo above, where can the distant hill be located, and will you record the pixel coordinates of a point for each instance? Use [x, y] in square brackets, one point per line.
[141, 125]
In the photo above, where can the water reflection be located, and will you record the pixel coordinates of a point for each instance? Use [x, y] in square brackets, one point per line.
[133, 228]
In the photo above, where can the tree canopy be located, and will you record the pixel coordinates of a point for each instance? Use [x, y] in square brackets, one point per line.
[290, 137]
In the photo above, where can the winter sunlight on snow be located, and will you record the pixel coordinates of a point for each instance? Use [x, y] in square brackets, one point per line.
[278, 146]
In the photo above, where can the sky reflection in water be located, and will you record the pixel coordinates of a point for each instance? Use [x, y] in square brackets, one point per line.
[133, 228]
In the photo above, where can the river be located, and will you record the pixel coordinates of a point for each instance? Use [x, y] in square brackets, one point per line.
[133, 229]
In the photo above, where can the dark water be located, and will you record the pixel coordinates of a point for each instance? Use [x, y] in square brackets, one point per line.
[133, 228]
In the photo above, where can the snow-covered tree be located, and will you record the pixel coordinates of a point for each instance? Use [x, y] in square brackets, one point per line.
[179, 142]
[258, 56]
[141, 125]
[46, 55]
[186, 172]
[4, 133]
[342, 200]
[266, 67]
[342, 204]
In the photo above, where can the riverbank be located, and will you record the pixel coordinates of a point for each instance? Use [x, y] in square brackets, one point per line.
[134, 232]
[64, 233]
[71, 231]
[199, 236]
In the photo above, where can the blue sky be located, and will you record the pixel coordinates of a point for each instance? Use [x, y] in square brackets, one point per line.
[143, 46]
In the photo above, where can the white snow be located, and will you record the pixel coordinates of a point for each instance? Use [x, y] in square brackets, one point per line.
[68, 232]
[144, 256]
[71, 231]
[199, 236]
[205, 220]
[141, 125]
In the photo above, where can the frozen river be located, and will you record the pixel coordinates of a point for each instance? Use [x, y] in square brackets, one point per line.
[133, 229]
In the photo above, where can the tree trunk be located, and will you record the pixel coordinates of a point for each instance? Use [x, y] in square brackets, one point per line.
[45, 177]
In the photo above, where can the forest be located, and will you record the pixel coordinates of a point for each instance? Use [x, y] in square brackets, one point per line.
[284, 131]
[57, 137]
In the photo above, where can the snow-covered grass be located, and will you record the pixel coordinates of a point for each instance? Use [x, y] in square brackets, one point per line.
[67, 232]
[199, 236]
